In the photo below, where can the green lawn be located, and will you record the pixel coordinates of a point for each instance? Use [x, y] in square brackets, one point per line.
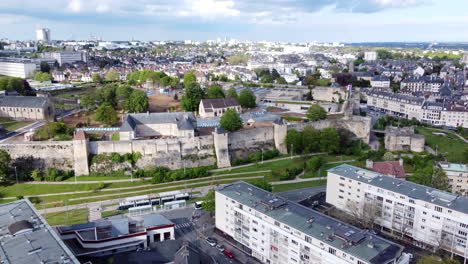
[323, 82]
[450, 145]
[275, 165]
[298, 185]
[116, 137]
[12, 126]
[112, 213]
[72, 217]
[324, 168]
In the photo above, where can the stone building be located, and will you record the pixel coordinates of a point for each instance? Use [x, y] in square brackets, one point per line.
[402, 139]
[217, 107]
[158, 124]
[27, 108]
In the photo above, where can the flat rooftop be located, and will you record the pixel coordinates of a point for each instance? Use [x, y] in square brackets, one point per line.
[412, 190]
[354, 241]
[26, 238]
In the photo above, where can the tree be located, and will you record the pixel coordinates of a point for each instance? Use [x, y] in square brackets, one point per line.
[88, 101]
[123, 92]
[209, 203]
[106, 114]
[309, 79]
[439, 179]
[166, 81]
[329, 140]
[231, 120]
[192, 97]
[388, 156]
[232, 93]
[42, 76]
[281, 80]
[247, 99]
[343, 79]
[294, 141]
[5, 160]
[189, 79]
[97, 78]
[112, 75]
[316, 112]
[266, 79]
[436, 260]
[45, 67]
[14, 84]
[422, 176]
[364, 214]
[263, 184]
[315, 163]
[311, 139]
[137, 102]
[215, 91]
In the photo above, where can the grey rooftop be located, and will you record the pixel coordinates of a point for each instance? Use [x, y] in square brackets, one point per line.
[347, 238]
[184, 120]
[26, 238]
[412, 190]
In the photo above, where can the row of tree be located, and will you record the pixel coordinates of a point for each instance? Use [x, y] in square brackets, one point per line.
[194, 93]
[15, 84]
[158, 78]
[110, 97]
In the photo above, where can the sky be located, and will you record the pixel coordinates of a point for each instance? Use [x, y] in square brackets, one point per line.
[256, 20]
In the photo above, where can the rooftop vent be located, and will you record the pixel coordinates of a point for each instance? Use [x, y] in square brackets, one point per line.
[20, 227]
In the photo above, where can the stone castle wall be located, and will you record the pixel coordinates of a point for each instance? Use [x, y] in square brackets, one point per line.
[175, 153]
[56, 154]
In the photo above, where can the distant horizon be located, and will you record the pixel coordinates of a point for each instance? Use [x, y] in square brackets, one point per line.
[296, 21]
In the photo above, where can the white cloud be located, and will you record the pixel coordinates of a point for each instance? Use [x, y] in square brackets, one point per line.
[209, 9]
[74, 6]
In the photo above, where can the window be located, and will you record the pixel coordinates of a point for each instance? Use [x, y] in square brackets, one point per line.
[308, 239]
[332, 251]
[339, 196]
[294, 242]
[438, 209]
[463, 233]
[277, 223]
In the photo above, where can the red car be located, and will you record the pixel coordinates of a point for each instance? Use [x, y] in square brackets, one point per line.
[228, 253]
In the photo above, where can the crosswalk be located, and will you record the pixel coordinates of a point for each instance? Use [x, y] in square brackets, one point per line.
[183, 225]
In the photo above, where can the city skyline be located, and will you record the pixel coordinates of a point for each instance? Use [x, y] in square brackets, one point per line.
[273, 20]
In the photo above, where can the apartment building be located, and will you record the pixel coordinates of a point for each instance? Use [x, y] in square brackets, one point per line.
[458, 176]
[276, 230]
[380, 81]
[426, 217]
[370, 56]
[452, 113]
[421, 84]
[63, 57]
[17, 68]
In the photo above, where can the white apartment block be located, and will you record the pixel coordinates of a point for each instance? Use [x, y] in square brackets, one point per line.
[424, 216]
[421, 84]
[279, 231]
[63, 57]
[409, 107]
[380, 81]
[21, 69]
[458, 176]
[370, 56]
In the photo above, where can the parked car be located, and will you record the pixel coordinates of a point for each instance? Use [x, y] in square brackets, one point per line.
[211, 241]
[220, 247]
[228, 253]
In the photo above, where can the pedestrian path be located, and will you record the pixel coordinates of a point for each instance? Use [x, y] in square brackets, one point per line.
[183, 225]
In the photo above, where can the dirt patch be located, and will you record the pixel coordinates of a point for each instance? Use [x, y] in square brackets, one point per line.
[162, 103]
[274, 109]
[294, 115]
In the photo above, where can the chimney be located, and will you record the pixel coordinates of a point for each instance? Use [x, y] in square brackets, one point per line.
[369, 164]
[401, 162]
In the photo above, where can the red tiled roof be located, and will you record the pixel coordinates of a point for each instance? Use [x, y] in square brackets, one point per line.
[391, 168]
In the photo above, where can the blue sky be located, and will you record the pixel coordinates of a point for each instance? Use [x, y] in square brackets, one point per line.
[273, 20]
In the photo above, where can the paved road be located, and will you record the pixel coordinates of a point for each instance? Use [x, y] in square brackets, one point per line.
[23, 130]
